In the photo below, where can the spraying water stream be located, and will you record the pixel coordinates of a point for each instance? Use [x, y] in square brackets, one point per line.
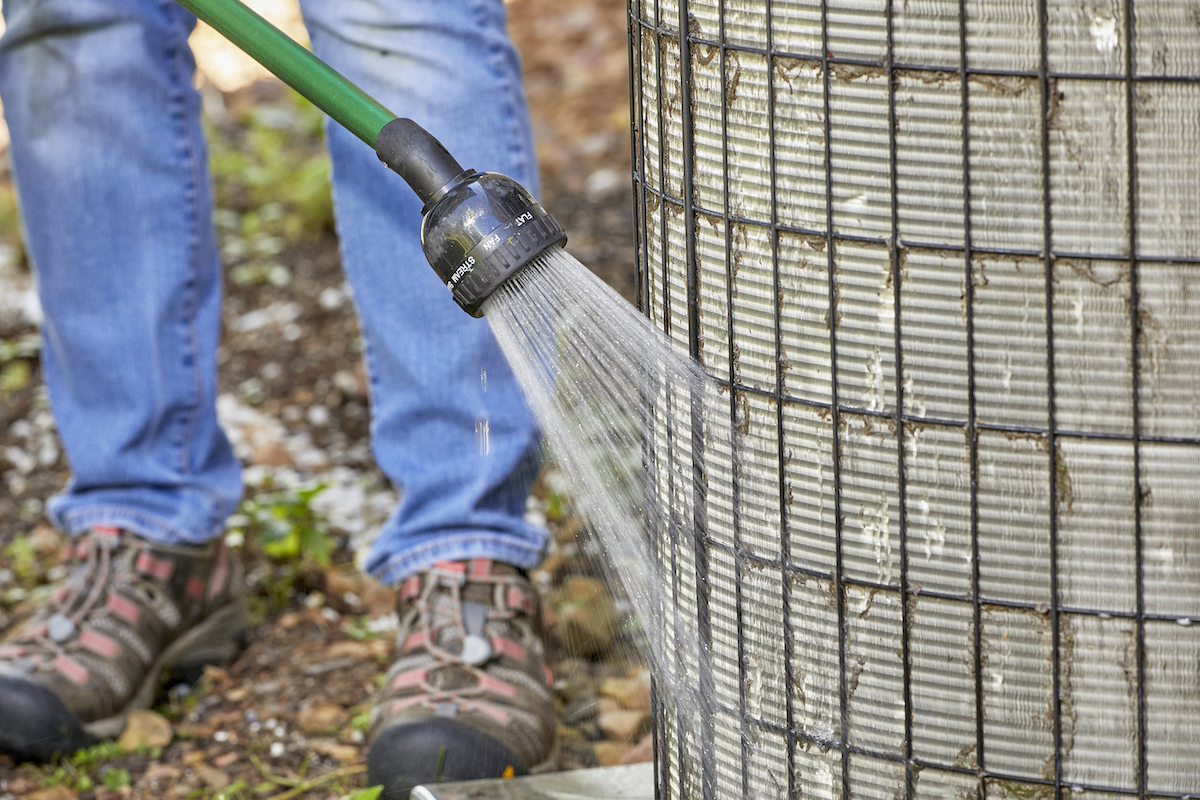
[628, 419]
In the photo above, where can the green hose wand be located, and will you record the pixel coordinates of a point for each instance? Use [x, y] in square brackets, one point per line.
[478, 229]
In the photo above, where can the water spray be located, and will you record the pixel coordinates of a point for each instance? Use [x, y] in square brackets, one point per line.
[606, 387]
[478, 229]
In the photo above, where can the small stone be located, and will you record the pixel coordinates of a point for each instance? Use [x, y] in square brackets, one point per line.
[359, 651]
[567, 735]
[607, 705]
[45, 540]
[623, 726]
[342, 752]
[583, 616]
[277, 749]
[321, 717]
[609, 754]
[631, 693]
[581, 709]
[216, 778]
[271, 453]
[161, 773]
[227, 759]
[145, 728]
[640, 753]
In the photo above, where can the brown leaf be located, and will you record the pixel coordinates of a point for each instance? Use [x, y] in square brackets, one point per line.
[145, 728]
[218, 779]
[345, 753]
[321, 717]
[53, 793]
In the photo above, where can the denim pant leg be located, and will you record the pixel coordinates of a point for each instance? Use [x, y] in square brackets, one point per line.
[110, 164]
[450, 426]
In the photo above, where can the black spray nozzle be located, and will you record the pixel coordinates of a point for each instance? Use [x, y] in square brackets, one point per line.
[479, 229]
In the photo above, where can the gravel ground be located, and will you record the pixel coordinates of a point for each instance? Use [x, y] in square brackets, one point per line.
[287, 717]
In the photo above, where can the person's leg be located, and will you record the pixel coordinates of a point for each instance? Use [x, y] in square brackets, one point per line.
[450, 426]
[467, 695]
[110, 164]
[109, 159]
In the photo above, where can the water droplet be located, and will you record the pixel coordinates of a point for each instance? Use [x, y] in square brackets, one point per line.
[483, 435]
[483, 379]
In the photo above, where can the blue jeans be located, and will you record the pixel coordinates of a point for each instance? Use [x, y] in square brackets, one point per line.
[111, 168]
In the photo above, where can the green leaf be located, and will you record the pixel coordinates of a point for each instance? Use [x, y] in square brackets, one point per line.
[371, 793]
[315, 543]
[115, 778]
[15, 375]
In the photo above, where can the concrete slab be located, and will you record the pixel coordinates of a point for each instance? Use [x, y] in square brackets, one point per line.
[633, 782]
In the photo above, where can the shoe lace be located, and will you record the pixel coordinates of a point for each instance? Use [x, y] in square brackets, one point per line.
[433, 624]
[90, 580]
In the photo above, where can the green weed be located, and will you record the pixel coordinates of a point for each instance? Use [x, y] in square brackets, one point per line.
[285, 525]
[271, 175]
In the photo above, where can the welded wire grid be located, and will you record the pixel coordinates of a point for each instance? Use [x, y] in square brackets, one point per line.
[941, 256]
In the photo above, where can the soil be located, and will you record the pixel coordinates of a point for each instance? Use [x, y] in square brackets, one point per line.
[286, 718]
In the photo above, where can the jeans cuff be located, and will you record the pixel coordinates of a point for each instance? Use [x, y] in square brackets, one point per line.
[148, 526]
[456, 547]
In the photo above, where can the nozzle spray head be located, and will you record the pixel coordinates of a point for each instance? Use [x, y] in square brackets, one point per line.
[478, 228]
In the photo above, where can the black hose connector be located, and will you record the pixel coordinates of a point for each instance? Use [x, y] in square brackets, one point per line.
[478, 229]
[420, 159]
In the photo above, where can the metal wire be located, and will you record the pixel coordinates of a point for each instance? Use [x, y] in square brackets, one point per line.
[868, 757]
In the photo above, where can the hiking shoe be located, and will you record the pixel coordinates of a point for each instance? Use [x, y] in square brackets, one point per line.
[129, 612]
[467, 697]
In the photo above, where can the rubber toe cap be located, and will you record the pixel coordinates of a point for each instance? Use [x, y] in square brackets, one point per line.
[435, 750]
[34, 724]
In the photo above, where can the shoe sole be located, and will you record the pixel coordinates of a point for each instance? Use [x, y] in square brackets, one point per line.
[214, 641]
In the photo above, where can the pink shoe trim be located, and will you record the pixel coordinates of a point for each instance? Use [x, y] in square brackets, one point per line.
[160, 568]
[549, 674]
[414, 677]
[410, 588]
[518, 599]
[479, 567]
[220, 574]
[98, 643]
[194, 587]
[496, 686]
[451, 566]
[415, 640]
[496, 713]
[123, 607]
[71, 669]
[407, 702]
[508, 647]
[11, 651]
[106, 530]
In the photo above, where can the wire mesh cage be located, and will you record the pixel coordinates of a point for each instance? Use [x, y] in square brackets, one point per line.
[943, 258]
